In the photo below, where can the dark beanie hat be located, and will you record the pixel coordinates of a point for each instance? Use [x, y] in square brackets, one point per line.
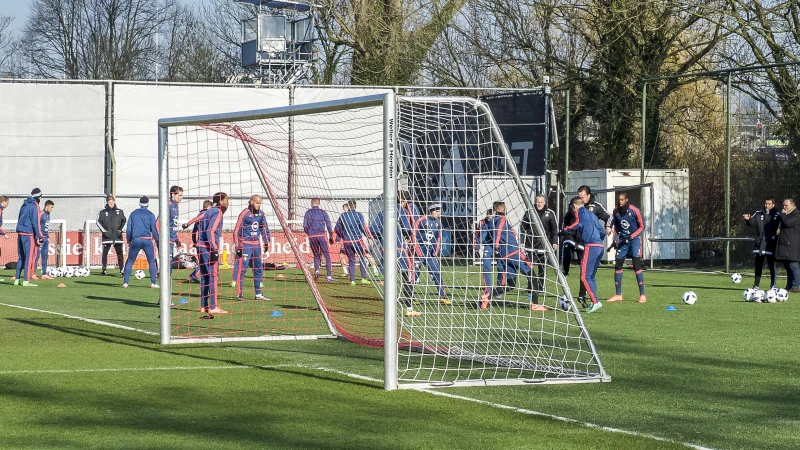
[144, 201]
[36, 193]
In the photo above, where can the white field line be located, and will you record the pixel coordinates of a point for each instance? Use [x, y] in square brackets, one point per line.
[325, 369]
[84, 319]
[565, 419]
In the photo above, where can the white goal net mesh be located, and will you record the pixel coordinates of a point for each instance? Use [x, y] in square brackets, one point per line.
[511, 318]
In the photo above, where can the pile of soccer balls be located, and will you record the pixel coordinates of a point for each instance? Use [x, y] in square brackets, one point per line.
[770, 296]
[68, 272]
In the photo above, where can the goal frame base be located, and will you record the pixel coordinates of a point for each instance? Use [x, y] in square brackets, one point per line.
[218, 340]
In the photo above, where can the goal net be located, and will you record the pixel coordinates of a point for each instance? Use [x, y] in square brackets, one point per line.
[396, 177]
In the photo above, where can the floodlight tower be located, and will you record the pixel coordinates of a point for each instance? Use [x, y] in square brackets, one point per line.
[278, 43]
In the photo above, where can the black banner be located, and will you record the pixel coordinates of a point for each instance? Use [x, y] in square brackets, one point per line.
[521, 118]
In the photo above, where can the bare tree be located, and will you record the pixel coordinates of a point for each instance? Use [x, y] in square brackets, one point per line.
[6, 43]
[95, 39]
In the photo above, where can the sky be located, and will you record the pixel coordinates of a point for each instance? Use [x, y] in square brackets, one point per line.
[17, 9]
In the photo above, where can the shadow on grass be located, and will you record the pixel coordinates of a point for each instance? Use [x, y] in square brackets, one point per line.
[699, 288]
[124, 301]
[151, 346]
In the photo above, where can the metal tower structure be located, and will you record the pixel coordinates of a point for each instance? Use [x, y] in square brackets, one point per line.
[278, 43]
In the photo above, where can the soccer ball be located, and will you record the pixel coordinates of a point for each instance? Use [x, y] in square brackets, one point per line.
[139, 274]
[53, 272]
[748, 294]
[87, 271]
[782, 295]
[79, 272]
[563, 303]
[758, 296]
[772, 295]
[736, 278]
[69, 272]
[689, 297]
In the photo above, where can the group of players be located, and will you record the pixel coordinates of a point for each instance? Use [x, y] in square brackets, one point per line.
[419, 243]
[32, 237]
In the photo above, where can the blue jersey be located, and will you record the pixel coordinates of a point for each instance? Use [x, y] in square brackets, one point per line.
[141, 224]
[316, 221]
[28, 223]
[44, 224]
[587, 223]
[428, 236]
[249, 227]
[351, 227]
[484, 233]
[504, 239]
[173, 220]
[629, 224]
[2, 231]
[210, 230]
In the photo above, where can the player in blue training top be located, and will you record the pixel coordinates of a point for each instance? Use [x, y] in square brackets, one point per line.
[317, 225]
[209, 233]
[176, 195]
[506, 248]
[28, 238]
[350, 228]
[3, 206]
[142, 235]
[251, 225]
[592, 233]
[484, 240]
[428, 246]
[195, 224]
[44, 226]
[628, 225]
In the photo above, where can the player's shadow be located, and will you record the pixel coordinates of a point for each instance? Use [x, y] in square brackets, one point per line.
[298, 307]
[124, 301]
[151, 345]
[699, 288]
[95, 283]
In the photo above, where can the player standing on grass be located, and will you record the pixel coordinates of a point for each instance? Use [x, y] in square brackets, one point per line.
[483, 247]
[209, 233]
[351, 228]
[3, 206]
[506, 247]
[572, 243]
[591, 232]
[316, 223]
[28, 238]
[251, 225]
[44, 226]
[176, 195]
[428, 244]
[142, 235]
[766, 223]
[194, 223]
[342, 254]
[788, 249]
[537, 250]
[628, 224]
[111, 221]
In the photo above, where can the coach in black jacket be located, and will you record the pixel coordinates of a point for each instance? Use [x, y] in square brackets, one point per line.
[788, 250]
[534, 246]
[111, 221]
[765, 221]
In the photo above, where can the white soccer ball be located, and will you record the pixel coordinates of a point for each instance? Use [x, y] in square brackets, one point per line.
[748, 294]
[736, 278]
[53, 272]
[782, 295]
[564, 303]
[80, 272]
[772, 296]
[689, 297]
[758, 296]
[69, 272]
[87, 271]
[139, 274]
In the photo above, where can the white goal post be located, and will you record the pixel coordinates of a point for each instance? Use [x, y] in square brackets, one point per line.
[438, 319]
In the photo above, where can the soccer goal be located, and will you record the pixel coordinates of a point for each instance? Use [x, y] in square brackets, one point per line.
[409, 167]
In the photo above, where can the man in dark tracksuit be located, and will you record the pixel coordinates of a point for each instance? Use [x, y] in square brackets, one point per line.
[209, 234]
[572, 244]
[535, 246]
[788, 248]
[142, 235]
[28, 238]
[766, 223]
[316, 223]
[44, 227]
[195, 223]
[111, 222]
[251, 225]
[591, 231]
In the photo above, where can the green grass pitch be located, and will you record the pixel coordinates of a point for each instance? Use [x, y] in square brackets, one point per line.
[721, 374]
